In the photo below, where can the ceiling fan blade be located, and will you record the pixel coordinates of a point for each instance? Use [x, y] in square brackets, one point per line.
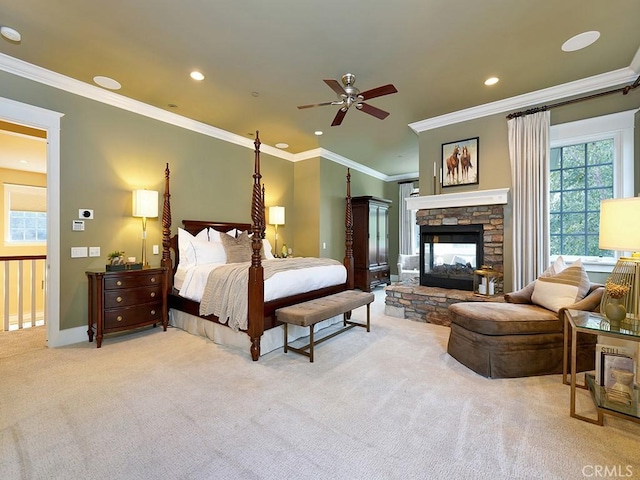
[315, 105]
[339, 117]
[378, 92]
[335, 86]
[375, 111]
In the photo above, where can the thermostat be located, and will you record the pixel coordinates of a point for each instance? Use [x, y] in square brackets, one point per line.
[78, 226]
[85, 213]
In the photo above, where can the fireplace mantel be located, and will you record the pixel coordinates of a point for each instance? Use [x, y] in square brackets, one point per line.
[496, 196]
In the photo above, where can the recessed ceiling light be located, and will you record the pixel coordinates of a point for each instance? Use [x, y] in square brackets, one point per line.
[172, 105]
[10, 34]
[107, 82]
[255, 94]
[24, 162]
[318, 132]
[580, 41]
[491, 81]
[282, 145]
[196, 75]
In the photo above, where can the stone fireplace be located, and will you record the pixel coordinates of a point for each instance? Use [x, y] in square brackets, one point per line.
[470, 213]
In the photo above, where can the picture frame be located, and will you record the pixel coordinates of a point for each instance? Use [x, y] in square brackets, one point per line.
[460, 162]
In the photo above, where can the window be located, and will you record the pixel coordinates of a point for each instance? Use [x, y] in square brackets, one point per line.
[587, 162]
[580, 177]
[25, 214]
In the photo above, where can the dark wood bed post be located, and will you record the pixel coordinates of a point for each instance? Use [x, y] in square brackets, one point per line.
[166, 231]
[256, 271]
[348, 235]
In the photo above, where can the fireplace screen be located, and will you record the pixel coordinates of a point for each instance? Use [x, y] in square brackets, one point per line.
[450, 254]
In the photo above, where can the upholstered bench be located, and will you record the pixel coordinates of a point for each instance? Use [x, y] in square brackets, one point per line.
[502, 340]
[309, 313]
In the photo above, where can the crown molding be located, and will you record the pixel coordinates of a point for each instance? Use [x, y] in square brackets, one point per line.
[578, 87]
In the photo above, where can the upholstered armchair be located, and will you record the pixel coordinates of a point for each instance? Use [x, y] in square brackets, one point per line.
[518, 338]
[408, 267]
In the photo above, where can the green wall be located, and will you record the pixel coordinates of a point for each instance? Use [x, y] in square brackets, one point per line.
[495, 168]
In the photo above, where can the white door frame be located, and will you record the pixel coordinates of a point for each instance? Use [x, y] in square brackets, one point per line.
[24, 114]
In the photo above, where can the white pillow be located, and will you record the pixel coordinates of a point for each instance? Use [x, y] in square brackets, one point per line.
[563, 289]
[266, 248]
[208, 252]
[214, 235]
[186, 250]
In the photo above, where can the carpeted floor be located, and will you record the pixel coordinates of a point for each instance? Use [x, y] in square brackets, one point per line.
[389, 404]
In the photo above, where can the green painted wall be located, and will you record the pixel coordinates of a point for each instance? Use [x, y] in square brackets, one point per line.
[306, 240]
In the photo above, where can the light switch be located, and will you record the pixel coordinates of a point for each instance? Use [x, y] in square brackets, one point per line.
[156, 250]
[78, 252]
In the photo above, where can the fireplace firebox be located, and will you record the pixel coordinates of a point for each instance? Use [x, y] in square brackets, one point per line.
[449, 255]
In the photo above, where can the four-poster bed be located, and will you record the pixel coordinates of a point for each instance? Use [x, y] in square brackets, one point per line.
[260, 312]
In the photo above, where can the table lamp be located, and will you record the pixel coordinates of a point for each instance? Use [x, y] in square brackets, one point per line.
[276, 217]
[620, 230]
[145, 205]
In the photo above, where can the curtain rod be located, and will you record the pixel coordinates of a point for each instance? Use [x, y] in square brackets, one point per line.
[624, 91]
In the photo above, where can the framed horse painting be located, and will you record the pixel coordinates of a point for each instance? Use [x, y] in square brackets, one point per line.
[460, 162]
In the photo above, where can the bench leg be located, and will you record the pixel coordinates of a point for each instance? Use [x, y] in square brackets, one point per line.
[286, 337]
[311, 344]
[368, 317]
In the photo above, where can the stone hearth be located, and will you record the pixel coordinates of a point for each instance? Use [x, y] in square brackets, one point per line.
[427, 304]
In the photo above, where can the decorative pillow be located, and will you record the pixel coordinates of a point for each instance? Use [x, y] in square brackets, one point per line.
[237, 249]
[561, 290]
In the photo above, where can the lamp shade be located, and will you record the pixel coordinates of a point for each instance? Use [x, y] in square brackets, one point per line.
[276, 215]
[145, 203]
[620, 224]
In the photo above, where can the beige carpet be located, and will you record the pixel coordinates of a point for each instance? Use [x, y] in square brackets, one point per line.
[390, 404]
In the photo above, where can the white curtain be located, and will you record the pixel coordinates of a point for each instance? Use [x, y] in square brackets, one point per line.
[406, 219]
[529, 154]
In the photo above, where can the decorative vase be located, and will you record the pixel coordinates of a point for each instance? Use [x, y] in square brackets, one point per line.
[615, 310]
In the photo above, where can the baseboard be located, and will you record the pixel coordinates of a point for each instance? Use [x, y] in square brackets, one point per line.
[68, 336]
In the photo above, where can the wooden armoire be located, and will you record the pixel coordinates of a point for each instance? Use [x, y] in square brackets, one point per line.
[370, 242]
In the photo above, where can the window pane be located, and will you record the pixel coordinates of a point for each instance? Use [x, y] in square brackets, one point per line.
[600, 176]
[554, 202]
[573, 223]
[554, 180]
[573, 245]
[554, 159]
[27, 226]
[573, 156]
[555, 223]
[594, 197]
[573, 201]
[573, 178]
[600, 152]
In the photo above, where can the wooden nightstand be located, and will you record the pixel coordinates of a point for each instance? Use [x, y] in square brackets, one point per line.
[125, 300]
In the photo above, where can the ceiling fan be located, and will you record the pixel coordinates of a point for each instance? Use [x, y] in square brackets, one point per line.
[349, 96]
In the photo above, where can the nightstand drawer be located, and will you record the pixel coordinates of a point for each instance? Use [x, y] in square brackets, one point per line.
[132, 280]
[132, 296]
[137, 315]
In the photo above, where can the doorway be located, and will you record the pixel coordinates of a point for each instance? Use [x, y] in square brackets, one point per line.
[31, 117]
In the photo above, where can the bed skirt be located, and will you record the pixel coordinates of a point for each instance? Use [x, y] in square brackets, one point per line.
[271, 340]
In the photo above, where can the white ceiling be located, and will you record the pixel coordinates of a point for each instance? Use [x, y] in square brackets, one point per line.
[436, 52]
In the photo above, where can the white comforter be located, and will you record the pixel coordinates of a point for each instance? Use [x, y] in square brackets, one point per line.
[281, 284]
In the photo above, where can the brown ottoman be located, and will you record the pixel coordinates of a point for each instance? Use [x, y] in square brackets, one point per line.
[504, 340]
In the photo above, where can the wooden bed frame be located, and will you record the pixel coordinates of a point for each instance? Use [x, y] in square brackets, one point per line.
[261, 315]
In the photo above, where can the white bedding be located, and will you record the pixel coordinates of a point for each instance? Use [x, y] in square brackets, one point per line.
[281, 284]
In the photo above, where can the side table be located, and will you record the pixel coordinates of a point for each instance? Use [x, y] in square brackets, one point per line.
[595, 324]
[125, 300]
